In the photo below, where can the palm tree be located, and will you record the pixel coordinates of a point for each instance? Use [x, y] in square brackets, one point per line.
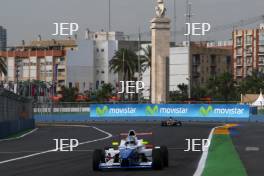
[146, 63]
[124, 61]
[3, 67]
[146, 58]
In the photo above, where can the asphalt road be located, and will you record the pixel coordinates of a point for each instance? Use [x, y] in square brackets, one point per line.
[79, 161]
[249, 143]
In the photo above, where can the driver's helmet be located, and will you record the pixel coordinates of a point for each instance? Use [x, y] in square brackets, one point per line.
[131, 140]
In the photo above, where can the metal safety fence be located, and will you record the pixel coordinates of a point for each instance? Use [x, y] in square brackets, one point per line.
[14, 107]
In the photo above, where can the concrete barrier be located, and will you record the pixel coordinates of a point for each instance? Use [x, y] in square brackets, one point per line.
[86, 117]
[8, 128]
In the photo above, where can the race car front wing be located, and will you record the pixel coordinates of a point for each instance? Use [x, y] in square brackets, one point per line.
[142, 165]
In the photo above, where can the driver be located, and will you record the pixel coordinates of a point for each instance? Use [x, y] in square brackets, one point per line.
[131, 140]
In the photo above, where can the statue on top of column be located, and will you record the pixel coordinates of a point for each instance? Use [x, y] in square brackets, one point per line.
[160, 9]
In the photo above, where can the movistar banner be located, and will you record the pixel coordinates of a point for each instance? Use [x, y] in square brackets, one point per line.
[170, 110]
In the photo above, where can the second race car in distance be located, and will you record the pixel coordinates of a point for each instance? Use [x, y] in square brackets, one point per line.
[171, 122]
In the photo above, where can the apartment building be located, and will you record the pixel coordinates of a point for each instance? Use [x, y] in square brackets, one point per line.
[3, 38]
[194, 64]
[40, 60]
[248, 51]
[73, 63]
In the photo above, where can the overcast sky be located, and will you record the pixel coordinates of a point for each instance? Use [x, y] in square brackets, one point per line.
[25, 19]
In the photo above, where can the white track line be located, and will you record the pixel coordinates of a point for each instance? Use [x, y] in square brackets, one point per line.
[28, 133]
[202, 162]
[54, 150]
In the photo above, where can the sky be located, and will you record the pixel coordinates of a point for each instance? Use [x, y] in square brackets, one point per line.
[25, 19]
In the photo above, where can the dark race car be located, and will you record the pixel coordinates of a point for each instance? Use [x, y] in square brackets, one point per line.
[171, 122]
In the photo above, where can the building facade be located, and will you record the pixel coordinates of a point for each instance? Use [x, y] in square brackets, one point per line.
[248, 51]
[3, 38]
[83, 64]
[199, 62]
[41, 60]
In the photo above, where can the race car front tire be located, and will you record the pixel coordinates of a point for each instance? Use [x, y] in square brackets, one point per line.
[157, 159]
[179, 123]
[165, 155]
[98, 157]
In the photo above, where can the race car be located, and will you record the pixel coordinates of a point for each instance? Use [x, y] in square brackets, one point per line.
[131, 153]
[171, 122]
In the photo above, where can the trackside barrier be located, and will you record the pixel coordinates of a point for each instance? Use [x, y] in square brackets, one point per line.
[16, 113]
[11, 127]
[149, 112]
[170, 110]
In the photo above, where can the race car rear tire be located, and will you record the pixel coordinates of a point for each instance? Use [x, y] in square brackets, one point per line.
[165, 155]
[157, 160]
[163, 123]
[98, 157]
[179, 123]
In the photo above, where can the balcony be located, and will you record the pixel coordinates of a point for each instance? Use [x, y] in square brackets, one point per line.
[26, 54]
[239, 74]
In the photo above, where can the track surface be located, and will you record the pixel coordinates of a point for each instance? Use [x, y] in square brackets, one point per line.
[79, 161]
[250, 135]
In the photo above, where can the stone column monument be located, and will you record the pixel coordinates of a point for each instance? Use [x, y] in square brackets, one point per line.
[160, 29]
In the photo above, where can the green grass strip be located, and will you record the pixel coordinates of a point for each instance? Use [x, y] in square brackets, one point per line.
[223, 160]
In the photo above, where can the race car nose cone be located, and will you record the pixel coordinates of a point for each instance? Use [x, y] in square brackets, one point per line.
[125, 153]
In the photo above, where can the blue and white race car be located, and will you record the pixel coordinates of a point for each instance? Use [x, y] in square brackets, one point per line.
[131, 153]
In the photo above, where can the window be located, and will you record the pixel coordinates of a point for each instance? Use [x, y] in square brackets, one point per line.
[239, 51]
[249, 60]
[102, 50]
[239, 72]
[249, 39]
[261, 38]
[261, 60]
[213, 59]
[97, 49]
[228, 60]
[249, 50]
[239, 41]
[249, 71]
[239, 61]
[261, 49]
[97, 85]
[102, 82]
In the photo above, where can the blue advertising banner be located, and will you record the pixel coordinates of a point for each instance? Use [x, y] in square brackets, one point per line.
[170, 110]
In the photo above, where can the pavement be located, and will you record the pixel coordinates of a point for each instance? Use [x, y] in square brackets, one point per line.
[248, 140]
[30, 155]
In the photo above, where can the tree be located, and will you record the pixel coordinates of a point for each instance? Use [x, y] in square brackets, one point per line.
[3, 67]
[146, 63]
[146, 58]
[104, 93]
[199, 92]
[68, 94]
[252, 84]
[124, 61]
[180, 94]
[222, 87]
